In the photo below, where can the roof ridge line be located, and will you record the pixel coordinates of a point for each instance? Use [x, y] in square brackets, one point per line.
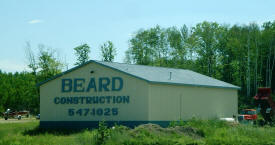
[144, 65]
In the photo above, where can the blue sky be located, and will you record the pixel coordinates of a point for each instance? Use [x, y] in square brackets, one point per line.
[65, 24]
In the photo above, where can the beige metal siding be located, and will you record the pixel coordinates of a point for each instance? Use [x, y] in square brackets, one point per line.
[172, 102]
[137, 89]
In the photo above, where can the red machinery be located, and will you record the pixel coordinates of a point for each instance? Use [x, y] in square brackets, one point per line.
[265, 104]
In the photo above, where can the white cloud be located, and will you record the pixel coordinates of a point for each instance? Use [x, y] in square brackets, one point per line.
[35, 21]
[12, 66]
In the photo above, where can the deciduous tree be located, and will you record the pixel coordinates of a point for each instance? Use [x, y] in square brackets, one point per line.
[82, 53]
[108, 51]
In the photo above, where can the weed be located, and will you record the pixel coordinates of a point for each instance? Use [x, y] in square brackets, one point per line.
[103, 133]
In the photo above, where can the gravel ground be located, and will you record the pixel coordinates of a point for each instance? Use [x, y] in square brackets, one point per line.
[2, 120]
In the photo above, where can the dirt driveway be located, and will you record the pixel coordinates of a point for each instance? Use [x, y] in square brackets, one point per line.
[2, 120]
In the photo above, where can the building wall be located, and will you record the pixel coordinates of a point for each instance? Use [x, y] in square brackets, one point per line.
[174, 102]
[52, 109]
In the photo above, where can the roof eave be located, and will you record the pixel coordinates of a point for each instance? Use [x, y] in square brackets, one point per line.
[195, 85]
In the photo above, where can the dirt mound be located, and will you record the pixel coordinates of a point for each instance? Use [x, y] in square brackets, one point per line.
[190, 131]
[180, 130]
[149, 127]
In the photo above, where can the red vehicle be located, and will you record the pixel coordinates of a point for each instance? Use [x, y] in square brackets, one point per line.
[248, 115]
[265, 104]
[15, 114]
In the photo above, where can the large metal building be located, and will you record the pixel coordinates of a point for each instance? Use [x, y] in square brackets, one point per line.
[130, 94]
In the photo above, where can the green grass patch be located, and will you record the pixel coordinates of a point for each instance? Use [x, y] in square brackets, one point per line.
[195, 131]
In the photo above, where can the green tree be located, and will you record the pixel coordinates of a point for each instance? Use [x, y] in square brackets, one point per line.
[149, 47]
[177, 40]
[48, 63]
[82, 53]
[108, 51]
[207, 35]
[268, 39]
[31, 58]
[18, 91]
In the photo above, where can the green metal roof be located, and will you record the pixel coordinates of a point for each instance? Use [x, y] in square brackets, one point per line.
[160, 75]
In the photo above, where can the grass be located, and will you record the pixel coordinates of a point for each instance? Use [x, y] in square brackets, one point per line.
[195, 131]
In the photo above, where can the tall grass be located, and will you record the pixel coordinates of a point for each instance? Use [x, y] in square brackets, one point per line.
[218, 132]
[195, 131]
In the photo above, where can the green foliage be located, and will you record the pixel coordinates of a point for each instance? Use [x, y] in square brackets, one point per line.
[18, 91]
[207, 36]
[82, 53]
[48, 63]
[108, 51]
[146, 46]
[88, 137]
[103, 133]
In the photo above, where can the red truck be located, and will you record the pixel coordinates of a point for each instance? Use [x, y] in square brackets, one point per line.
[249, 115]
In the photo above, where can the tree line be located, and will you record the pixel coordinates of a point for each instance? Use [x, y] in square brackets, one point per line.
[243, 55]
